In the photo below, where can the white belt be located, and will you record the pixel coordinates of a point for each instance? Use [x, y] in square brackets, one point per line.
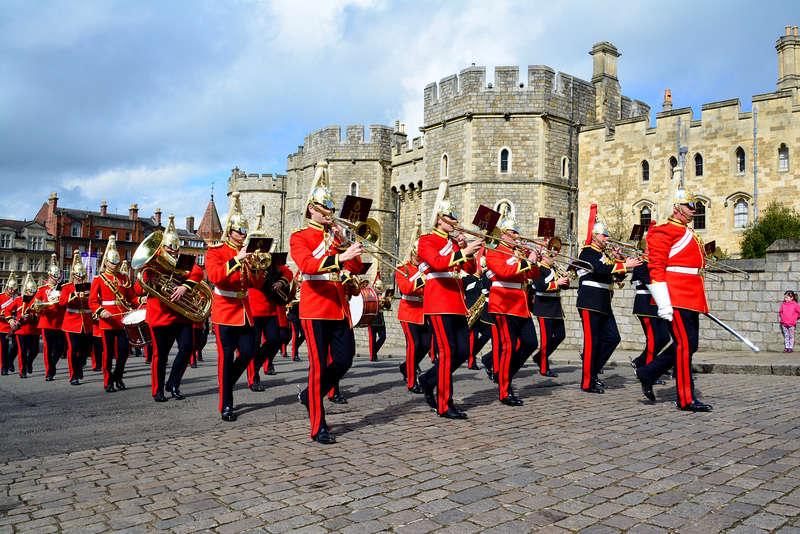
[636, 283]
[327, 277]
[230, 294]
[445, 274]
[596, 284]
[642, 292]
[543, 294]
[110, 303]
[508, 285]
[412, 298]
[73, 310]
[684, 270]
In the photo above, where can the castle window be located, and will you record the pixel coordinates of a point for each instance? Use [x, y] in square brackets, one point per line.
[698, 165]
[354, 188]
[672, 164]
[645, 216]
[700, 216]
[443, 170]
[75, 229]
[263, 210]
[645, 171]
[564, 167]
[740, 161]
[740, 213]
[5, 240]
[505, 160]
[783, 157]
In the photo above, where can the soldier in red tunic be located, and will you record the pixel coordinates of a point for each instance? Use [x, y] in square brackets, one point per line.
[50, 319]
[110, 297]
[24, 325]
[321, 254]
[9, 346]
[444, 306]
[411, 316]
[514, 336]
[77, 322]
[229, 269]
[677, 259]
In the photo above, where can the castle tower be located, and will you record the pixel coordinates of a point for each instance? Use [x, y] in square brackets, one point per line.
[604, 78]
[789, 60]
[262, 195]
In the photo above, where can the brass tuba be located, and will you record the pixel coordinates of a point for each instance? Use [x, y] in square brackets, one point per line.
[165, 277]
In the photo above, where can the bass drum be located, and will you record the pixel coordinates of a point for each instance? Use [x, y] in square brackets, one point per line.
[364, 307]
[136, 329]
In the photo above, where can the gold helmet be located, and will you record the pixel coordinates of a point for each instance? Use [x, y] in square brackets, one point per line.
[600, 227]
[54, 270]
[111, 255]
[78, 268]
[321, 192]
[12, 282]
[507, 220]
[170, 238]
[443, 206]
[30, 283]
[684, 196]
[236, 219]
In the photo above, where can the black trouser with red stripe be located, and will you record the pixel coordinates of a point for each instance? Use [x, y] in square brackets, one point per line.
[656, 333]
[685, 331]
[97, 352]
[163, 339]
[553, 332]
[79, 347]
[231, 339]
[267, 335]
[450, 335]
[298, 335]
[54, 342]
[479, 336]
[28, 351]
[377, 337]
[418, 343]
[600, 338]
[9, 350]
[514, 340]
[325, 338]
[114, 342]
[286, 337]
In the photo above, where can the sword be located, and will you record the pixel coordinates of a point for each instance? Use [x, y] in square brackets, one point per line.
[736, 334]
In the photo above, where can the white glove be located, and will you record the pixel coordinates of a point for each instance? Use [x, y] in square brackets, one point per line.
[660, 294]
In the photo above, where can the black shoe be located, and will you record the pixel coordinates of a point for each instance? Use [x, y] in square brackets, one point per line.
[110, 389]
[416, 389]
[404, 372]
[270, 369]
[75, 382]
[148, 360]
[511, 401]
[373, 359]
[12, 369]
[659, 382]
[338, 399]
[193, 366]
[296, 359]
[199, 358]
[550, 373]
[594, 389]
[430, 398]
[23, 375]
[285, 355]
[49, 379]
[599, 384]
[159, 397]
[96, 369]
[4, 372]
[452, 413]
[256, 387]
[647, 387]
[121, 385]
[30, 369]
[324, 437]
[474, 367]
[228, 415]
[176, 393]
[697, 407]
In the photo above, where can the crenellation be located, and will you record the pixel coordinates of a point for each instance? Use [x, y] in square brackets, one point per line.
[472, 79]
[355, 134]
[506, 78]
[541, 78]
[448, 87]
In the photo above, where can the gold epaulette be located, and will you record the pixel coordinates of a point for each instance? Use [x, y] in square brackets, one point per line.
[216, 245]
[298, 229]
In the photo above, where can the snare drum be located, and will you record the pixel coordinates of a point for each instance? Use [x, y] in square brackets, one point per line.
[136, 328]
[364, 307]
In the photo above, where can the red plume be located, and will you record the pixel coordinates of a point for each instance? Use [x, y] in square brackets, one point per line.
[592, 218]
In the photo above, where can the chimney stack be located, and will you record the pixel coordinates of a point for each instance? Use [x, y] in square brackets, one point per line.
[51, 214]
[190, 224]
[158, 217]
[103, 208]
[788, 48]
[667, 100]
[133, 212]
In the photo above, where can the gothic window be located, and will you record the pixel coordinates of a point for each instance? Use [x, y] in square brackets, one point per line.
[700, 216]
[443, 169]
[564, 167]
[698, 165]
[740, 161]
[354, 189]
[75, 229]
[783, 157]
[505, 160]
[645, 216]
[645, 171]
[672, 164]
[740, 213]
[263, 210]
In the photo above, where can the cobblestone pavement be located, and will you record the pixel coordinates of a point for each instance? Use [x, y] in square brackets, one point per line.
[80, 460]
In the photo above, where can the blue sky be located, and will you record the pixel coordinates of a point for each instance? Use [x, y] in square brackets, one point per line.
[148, 102]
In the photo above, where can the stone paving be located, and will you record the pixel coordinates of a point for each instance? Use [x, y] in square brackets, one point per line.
[566, 461]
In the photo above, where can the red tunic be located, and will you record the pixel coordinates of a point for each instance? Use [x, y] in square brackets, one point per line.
[109, 293]
[512, 275]
[262, 305]
[322, 296]
[159, 314]
[51, 316]
[442, 260]
[231, 281]
[17, 309]
[5, 301]
[677, 257]
[411, 288]
[77, 314]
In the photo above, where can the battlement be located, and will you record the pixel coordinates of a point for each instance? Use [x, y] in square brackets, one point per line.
[332, 135]
[242, 182]
[405, 148]
[328, 144]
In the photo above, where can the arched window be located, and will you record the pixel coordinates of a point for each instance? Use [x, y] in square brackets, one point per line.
[505, 159]
[263, 210]
[75, 229]
[698, 165]
[354, 188]
[645, 216]
[783, 157]
[740, 161]
[443, 169]
[645, 171]
[740, 213]
[700, 216]
[564, 167]
[672, 164]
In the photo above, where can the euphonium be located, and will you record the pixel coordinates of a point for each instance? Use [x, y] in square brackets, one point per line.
[474, 313]
[259, 260]
[165, 277]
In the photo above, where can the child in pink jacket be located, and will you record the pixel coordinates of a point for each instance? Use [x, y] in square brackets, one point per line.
[789, 314]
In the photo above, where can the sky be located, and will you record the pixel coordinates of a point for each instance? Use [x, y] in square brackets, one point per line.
[151, 101]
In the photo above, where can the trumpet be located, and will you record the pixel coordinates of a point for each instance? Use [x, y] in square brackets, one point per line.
[564, 262]
[258, 260]
[714, 260]
[368, 233]
[492, 240]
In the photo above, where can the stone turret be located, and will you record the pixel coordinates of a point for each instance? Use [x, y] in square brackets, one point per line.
[604, 78]
[789, 60]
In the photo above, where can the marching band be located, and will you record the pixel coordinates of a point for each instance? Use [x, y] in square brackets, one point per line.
[256, 301]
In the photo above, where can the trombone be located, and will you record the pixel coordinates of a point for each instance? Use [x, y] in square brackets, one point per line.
[714, 261]
[368, 233]
[628, 250]
[552, 248]
[492, 240]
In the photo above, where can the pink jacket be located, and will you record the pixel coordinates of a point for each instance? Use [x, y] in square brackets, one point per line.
[790, 313]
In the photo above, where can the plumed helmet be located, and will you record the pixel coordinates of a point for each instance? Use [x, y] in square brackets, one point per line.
[443, 206]
[12, 282]
[236, 219]
[321, 192]
[684, 196]
[78, 268]
[54, 270]
[600, 227]
[111, 255]
[170, 238]
[447, 208]
[507, 224]
[378, 285]
[30, 284]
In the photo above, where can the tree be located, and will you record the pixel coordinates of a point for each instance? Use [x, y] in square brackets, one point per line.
[619, 215]
[775, 222]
